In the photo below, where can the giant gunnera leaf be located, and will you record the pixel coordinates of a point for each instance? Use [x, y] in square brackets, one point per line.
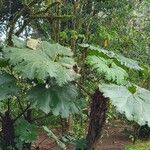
[133, 101]
[8, 87]
[56, 99]
[119, 59]
[41, 60]
[130, 63]
[111, 71]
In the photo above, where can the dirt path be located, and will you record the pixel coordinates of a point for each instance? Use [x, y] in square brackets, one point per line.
[114, 138]
[45, 143]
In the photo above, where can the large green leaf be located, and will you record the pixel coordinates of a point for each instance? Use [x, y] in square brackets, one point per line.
[133, 101]
[18, 42]
[130, 63]
[111, 71]
[25, 131]
[48, 60]
[3, 62]
[119, 59]
[8, 87]
[59, 100]
[110, 54]
[53, 50]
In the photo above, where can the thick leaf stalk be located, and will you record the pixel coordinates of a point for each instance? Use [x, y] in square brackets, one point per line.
[99, 108]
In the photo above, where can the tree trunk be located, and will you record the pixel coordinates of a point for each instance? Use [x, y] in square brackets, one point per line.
[70, 123]
[99, 107]
[8, 132]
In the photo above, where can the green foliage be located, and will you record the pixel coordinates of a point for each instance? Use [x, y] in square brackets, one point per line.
[120, 23]
[111, 71]
[117, 58]
[46, 60]
[110, 64]
[80, 144]
[3, 62]
[131, 100]
[51, 64]
[8, 87]
[18, 42]
[25, 132]
[79, 129]
[59, 100]
[130, 63]
[53, 50]
[50, 67]
[134, 104]
[139, 146]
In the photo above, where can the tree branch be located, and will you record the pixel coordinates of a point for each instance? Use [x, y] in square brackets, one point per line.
[52, 17]
[16, 17]
[1, 115]
[46, 10]
[20, 106]
[22, 113]
[26, 22]
[82, 88]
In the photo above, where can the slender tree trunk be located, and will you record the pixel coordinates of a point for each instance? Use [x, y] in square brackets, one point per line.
[70, 123]
[64, 126]
[57, 23]
[99, 107]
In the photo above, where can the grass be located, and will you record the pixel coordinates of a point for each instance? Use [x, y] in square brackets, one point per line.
[139, 146]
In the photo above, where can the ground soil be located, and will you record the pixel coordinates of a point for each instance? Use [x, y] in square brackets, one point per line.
[115, 137]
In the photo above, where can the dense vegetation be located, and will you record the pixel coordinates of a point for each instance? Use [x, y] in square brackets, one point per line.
[72, 65]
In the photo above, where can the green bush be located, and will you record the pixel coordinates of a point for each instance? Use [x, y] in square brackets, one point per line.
[139, 146]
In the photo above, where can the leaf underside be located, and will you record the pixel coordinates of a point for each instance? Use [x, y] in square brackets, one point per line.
[58, 100]
[135, 105]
